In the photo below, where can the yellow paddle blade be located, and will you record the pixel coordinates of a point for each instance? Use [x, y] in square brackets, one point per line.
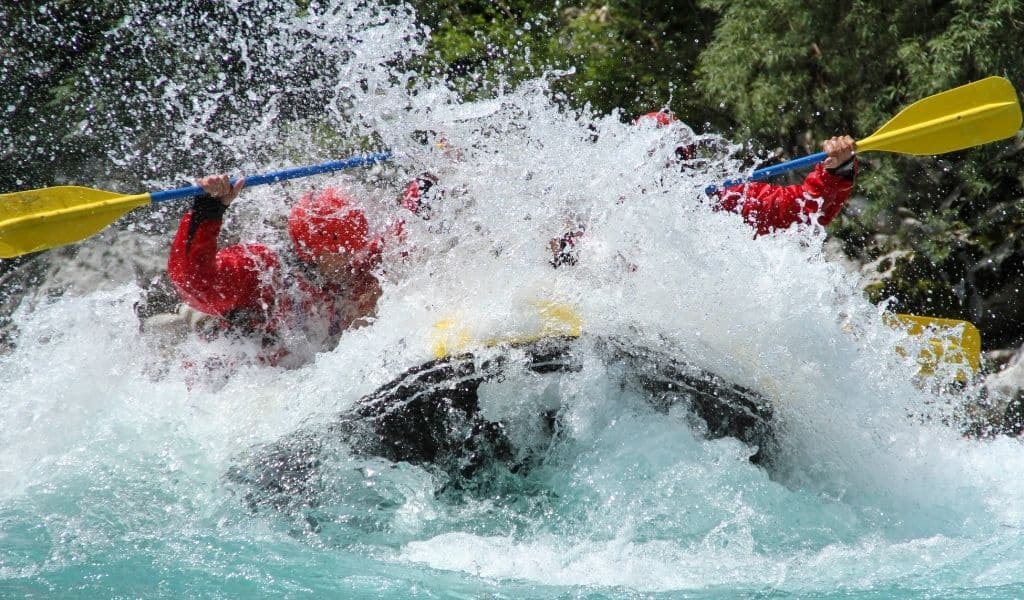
[50, 217]
[950, 341]
[977, 113]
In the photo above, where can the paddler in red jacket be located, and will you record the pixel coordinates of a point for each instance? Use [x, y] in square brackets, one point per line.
[768, 207]
[294, 304]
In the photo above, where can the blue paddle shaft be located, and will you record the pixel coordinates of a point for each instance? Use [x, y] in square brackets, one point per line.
[294, 173]
[765, 173]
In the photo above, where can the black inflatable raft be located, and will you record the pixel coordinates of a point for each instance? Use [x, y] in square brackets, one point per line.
[430, 416]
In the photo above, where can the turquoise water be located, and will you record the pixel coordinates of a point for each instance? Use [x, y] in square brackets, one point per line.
[112, 464]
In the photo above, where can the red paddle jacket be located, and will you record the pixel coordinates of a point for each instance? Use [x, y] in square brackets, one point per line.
[246, 286]
[768, 207]
[765, 206]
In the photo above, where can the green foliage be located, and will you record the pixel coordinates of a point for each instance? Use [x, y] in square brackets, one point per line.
[630, 55]
[921, 287]
[792, 73]
[637, 57]
[478, 46]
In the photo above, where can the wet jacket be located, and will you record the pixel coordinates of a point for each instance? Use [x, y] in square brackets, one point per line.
[769, 207]
[251, 292]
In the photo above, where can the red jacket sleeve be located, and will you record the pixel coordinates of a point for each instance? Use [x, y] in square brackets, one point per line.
[769, 207]
[216, 281]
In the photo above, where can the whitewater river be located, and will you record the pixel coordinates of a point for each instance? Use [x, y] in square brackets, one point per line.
[113, 462]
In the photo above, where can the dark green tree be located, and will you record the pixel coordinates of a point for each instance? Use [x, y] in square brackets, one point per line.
[626, 54]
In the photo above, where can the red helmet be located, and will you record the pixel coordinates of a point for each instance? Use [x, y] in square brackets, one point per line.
[662, 118]
[327, 222]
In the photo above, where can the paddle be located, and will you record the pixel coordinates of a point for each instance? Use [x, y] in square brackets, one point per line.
[46, 218]
[950, 341]
[970, 115]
